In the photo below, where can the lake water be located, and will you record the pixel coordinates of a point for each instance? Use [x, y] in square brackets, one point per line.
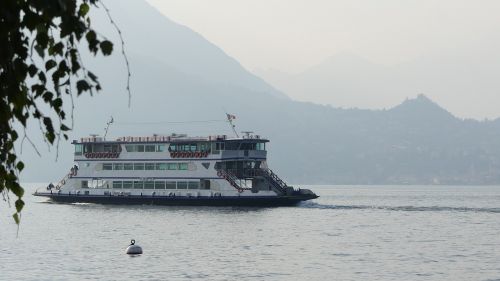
[349, 233]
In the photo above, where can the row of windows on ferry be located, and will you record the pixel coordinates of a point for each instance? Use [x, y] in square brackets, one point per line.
[144, 166]
[149, 184]
[192, 147]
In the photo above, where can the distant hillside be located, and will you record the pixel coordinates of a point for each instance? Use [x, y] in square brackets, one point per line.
[177, 75]
[347, 80]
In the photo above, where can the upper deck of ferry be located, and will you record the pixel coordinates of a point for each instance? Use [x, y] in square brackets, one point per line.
[176, 146]
[174, 138]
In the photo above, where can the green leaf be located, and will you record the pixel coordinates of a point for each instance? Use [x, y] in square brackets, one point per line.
[50, 137]
[16, 218]
[56, 49]
[32, 70]
[20, 166]
[64, 128]
[17, 189]
[82, 86]
[84, 9]
[57, 103]
[50, 64]
[19, 205]
[90, 36]
[106, 47]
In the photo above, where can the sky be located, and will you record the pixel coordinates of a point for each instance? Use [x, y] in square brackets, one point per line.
[294, 35]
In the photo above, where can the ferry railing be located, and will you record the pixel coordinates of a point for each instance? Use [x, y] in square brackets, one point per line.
[73, 172]
[273, 179]
[233, 180]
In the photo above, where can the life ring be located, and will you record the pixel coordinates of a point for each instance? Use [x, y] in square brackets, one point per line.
[240, 190]
[206, 153]
[87, 155]
[198, 154]
[63, 182]
[219, 173]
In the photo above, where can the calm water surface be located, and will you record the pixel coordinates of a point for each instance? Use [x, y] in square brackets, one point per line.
[349, 233]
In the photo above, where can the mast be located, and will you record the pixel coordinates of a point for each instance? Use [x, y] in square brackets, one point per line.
[230, 118]
[107, 127]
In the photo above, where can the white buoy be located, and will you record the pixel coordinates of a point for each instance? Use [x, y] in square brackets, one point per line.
[133, 249]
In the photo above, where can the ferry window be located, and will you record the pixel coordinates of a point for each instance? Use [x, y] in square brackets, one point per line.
[172, 166]
[171, 185]
[85, 184]
[160, 148]
[127, 184]
[173, 147]
[260, 146]
[150, 166]
[118, 166]
[150, 148]
[193, 147]
[87, 148]
[130, 148]
[161, 166]
[219, 146]
[159, 185]
[193, 185]
[140, 148]
[107, 166]
[149, 185]
[128, 166]
[117, 184]
[115, 148]
[205, 184]
[138, 185]
[107, 148]
[182, 185]
[183, 166]
[78, 149]
[138, 166]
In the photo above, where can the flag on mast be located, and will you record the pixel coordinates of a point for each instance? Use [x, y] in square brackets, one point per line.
[230, 117]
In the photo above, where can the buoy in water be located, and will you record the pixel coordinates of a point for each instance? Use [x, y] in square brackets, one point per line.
[133, 249]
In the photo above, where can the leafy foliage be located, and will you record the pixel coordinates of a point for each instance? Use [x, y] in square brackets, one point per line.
[40, 64]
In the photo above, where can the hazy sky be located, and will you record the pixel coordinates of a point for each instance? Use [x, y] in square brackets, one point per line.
[293, 35]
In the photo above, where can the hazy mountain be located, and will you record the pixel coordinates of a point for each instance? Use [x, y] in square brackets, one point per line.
[177, 75]
[348, 80]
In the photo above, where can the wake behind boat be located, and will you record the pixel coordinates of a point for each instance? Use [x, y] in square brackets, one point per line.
[174, 170]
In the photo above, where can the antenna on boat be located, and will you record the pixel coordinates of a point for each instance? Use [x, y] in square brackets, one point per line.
[230, 118]
[107, 126]
[247, 134]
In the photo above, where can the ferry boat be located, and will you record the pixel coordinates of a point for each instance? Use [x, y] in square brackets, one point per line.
[174, 170]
